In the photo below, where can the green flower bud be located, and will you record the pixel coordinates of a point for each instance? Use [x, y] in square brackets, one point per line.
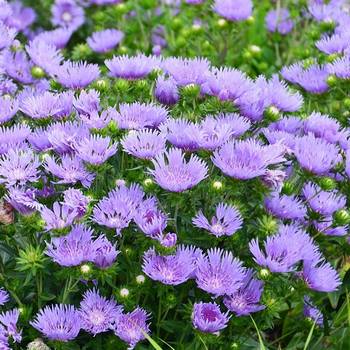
[123, 50]
[121, 85]
[255, 50]
[81, 51]
[264, 274]
[332, 80]
[31, 259]
[267, 224]
[101, 85]
[217, 185]
[327, 183]
[221, 23]
[148, 182]
[171, 300]
[37, 72]
[85, 269]
[191, 91]
[176, 23]
[250, 20]
[272, 113]
[288, 188]
[142, 86]
[124, 293]
[346, 102]
[121, 9]
[140, 279]
[332, 57]
[180, 42]
[341, 217]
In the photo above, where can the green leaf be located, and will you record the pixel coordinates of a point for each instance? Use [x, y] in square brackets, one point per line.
[309, 337]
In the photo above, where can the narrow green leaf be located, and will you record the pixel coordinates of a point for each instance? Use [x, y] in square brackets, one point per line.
[151, 341]
[308, 340]
[262, 346]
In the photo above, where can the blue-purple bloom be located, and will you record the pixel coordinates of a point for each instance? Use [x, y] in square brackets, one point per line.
[8, 321]
[58, 322]
[4, 296]
[97, 313]
[106, 252]
[218, 272]
[279, 21]
[226, 221]
[234, 10]
[312, 312]
[166, 91]
[8, 108]
[67, 14]
[59, 217]
[340, 67]
[173, 173]
[7, 35]
[208, 318]
[22, 199]
[76, 200]
[105, 40]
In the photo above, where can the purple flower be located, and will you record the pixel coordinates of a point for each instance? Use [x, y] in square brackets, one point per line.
[88, 102]
[208, 318]
[9, 321]
[169, 240]
[246, 299]
[97, 313]
[173, 173]
[17, 66]
[274, 179]
[67, 13]
[171, 269]
[8, 108]
[13, 137]
[76, 200]
[144, 144]
[316, 155]
[186, 71]
[118, 208]
[19, 167]
[58, 37]
[4, 296]
[7, 35]
[233, 10]
[279, 21]
[7, 86]
[285, 207]
[106, 252]
[247, 159]
[312, 312]
[5, 10]
[166, 91]
[340, 67]
[21, 17]
[218, 272]
[320, 276]
[336, 43]
[131, 326]
[59, 217]
[70, 171]
[226, 221]
[140, 115]
[77, 75]
[105, 40]
[58, 322]
[326, 227]
[285, 249]
[291, 125]
[74, 248]
[95, 149]
[96, 120]
[44, 55]
[132, 67]
[23, 200]
[325, 203]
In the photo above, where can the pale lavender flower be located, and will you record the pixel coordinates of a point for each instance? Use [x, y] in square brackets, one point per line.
[19, 167]
[18, 67]
[76, 200]
[285, 250]
[234, 10]
[316, 155]
[106, 252]
[336, 43]
[67, 14]
[59, 217]
[247, 159]
[8, 108]
[58, 322]
[13, 137]
[274, 179]
[88, 102]
[74, 248]
[39, 141]
[22, 199]
[327, 227]
[173, 173]
[186, 71]
[77, 75]
[95, 149]
[58, 37]
[208, 318]
[7, 35]
[285, 207]
[132, 326]
[226, 221]
[144, 144]
[166, 91]
[132, 67]
[105, 40]
[140, 115]
[7, 86]
[70, 170]
[4, 295]
[96, 120]
[291, 125]
[341, 67]
[237, 124]
[246, 299]
[279, 21]
[97, 313]
[312, 312]
[171, 269]
[169, 240]
[218, 272]
[9, 321]
[5, 10]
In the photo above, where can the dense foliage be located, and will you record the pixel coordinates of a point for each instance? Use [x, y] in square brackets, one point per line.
[174, 174]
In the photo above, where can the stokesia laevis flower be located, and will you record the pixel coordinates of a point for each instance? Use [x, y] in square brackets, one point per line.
[247, 159]
[208, 318]
[18, 167]
[38, 140]
[77, 75]
[58, 37]
[105, 40]
[336, 43]
[246, 299]
[97, 313]
[22, 199]
[173, 173]
[285, 249]
[58, 322]
[4, 296]
[140, 115]
[316, 155]
[7, 35]
[171, 269]
[76, 200]
[312, 312]
[226, 221]
[87, 102]
[279, 21]
[166, 91]
[341, 67]
[17, 66]
[320, 276]
[13, 137]
[74, 248]
[132, 67]
[234, 10]
[131, 327]
[95, 149]
[8, 108]
[67, 14]
[285, 207]
[69, 171]
[59, 217]
[9, 321]
[106, 252]
[144, 144]
[218, 272]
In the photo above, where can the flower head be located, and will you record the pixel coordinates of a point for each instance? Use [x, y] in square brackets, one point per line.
[233, 10]
[4, 296]
[67, 14]
[8, 108]
[59, 217]
[105, 40]
[311, 311]
[279, 21]
[9, 321]
[166, 91]
[106, 252]
[76, 200]
[22, 199]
